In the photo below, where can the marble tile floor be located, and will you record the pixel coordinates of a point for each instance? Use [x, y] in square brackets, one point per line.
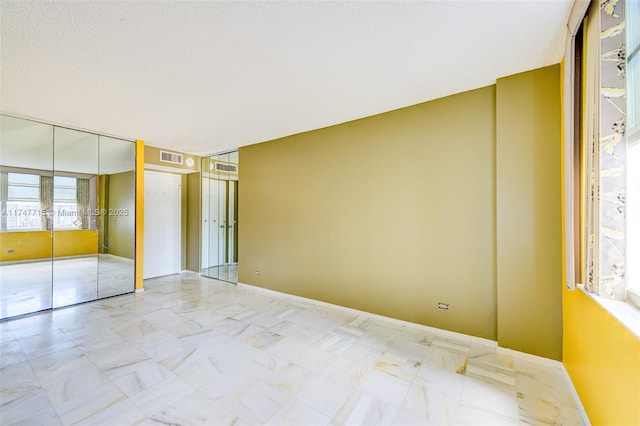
[34, 286]
[191, 350]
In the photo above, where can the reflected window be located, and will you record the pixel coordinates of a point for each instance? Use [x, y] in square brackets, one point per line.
[21, 202]
[65, 206]
[26, 199]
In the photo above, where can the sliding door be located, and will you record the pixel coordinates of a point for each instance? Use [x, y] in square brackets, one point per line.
[67, 233]
[219, 216]
[75, 234]
[26, 235]
[116, 219]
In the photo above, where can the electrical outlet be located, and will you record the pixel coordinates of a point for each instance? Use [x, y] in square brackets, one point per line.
[10, 251]
[257, 272]
[444, 306]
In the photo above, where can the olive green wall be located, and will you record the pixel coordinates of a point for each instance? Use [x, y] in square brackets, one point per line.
[394, 213]
[121, 228]
[183, 222]
[390, 214]
[529, 215]
[193, 213]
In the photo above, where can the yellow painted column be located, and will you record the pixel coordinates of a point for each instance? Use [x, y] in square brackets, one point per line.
[139, 215]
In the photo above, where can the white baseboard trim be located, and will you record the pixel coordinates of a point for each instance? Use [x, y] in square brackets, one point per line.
[547, 362]
[439, 331]
[576, 397]
[139, 290]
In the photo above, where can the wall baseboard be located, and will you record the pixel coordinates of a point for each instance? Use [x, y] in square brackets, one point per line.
[445, 333]
[551, 363]
[576, 397]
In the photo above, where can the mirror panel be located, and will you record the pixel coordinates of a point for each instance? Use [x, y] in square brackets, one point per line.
[67, 231]
[26, 244]
[233, 203]
[223, 215]
[116, 272]
[220, 216]
[206, 164]
[74, 224]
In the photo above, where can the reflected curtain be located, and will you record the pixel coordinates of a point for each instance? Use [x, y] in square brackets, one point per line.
[83, 201]
[46, 202]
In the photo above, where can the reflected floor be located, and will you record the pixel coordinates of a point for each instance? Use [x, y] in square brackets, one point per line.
[224, 272]
[191, 350]
[27, 287]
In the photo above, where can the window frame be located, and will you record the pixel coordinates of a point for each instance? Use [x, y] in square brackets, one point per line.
[8, 211]
[623, 310]
[633, 140]
[59, 206]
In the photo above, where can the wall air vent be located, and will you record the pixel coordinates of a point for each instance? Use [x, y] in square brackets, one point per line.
[170, 157]
[226, 167]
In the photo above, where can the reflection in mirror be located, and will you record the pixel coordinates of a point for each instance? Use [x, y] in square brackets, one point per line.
[67, 231]
[222, 264]
[117, 226]
[205, 225]
[73, 202]
[233, 217]
[26, 163]
[220, 216]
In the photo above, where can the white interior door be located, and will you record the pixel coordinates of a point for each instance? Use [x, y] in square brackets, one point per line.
[162, 227]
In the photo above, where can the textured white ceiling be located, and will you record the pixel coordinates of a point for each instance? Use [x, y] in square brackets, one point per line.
[203, 77]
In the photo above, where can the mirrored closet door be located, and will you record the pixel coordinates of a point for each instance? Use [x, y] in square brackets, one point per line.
[75, 233]
[26, 239]
[220, 217]
[116, 222]
[68, 216]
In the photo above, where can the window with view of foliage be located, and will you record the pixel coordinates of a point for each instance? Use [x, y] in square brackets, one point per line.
[633, 150]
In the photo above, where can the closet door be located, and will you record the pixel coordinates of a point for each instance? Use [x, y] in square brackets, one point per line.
[204, 219]
[213, 219]
[67, 228]
[220, 216]
[162, 224]
[116, 222]
[26, 165]
[73, 191]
